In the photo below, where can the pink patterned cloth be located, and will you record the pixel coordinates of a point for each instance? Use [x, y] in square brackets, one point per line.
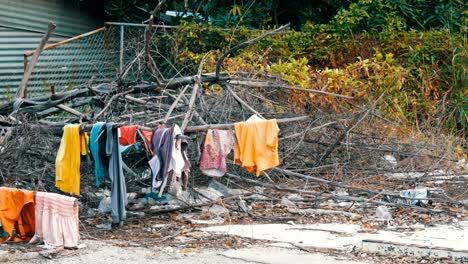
[217, 145]
[57, 221]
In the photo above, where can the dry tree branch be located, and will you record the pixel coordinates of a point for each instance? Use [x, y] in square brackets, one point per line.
[246, 44]
[149, 60]
[238, 99]
[109, 103]
[196, 85]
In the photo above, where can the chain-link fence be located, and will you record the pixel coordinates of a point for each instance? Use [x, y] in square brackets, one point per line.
[64, 65]
[102, 55]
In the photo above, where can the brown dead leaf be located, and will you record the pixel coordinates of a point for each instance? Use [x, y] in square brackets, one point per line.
[156, 235]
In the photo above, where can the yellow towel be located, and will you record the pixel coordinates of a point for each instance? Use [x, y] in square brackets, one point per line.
[67, 162]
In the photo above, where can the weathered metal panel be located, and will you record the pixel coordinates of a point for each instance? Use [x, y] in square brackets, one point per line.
[22, 24]
[34, 15]
[13, 44]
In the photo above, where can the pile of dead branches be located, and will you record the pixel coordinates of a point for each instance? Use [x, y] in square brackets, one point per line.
[348, 156]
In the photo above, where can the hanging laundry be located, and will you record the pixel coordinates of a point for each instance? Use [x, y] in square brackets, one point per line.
[17, 214]
[146, 137]
[179, 165]
[216, 146]
[118, 186]
[97, 144]
[57, 220]
[67, 162]
[256, 147]
[128, 135]
[169, 147]
[161, 145]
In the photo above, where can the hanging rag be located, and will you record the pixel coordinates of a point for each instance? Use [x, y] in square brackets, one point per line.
[67, 162]
[17, 214]
[161, 144]
[97, 143]
[118, 187]
[170, 160]
[57, 220]
[128, 135]
[179, 165]
[256, 147]
[216, 146]
[146, 136]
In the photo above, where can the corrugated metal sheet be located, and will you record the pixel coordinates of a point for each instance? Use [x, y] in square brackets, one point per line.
[22, 23]
[36, 14]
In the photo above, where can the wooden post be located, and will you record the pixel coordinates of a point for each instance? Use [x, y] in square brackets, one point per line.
[22, 90]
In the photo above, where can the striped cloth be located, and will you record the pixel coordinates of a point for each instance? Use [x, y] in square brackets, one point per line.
[57, 221]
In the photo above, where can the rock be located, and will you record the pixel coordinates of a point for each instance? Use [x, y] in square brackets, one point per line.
[286, 202]
[223, 189]
[209, 194]
[218, 210]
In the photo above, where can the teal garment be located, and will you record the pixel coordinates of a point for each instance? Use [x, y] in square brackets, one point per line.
[99, 170]
[155, 196]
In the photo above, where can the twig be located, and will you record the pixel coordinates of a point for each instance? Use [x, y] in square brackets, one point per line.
[242, 102]
[246, 44]
[196, 85]
[110, 101]
[193, 129]
[176, 101]
[149, 59]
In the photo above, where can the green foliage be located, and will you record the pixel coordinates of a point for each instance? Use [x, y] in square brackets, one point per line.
[430, 67]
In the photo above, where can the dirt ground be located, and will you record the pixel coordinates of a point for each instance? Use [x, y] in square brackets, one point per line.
[107, 252]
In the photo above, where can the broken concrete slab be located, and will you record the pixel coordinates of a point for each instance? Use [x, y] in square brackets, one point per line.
[348, 236]
[404, 249]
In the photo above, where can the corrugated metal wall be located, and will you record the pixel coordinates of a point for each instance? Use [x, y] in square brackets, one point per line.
[22, 23]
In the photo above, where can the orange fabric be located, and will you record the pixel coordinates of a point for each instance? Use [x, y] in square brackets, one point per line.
[256, 147]
[17, 212]
[148, 135]
[127, 135]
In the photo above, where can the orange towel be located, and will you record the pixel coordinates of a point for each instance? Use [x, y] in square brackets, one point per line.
[256, 147]
[127, 135]
[17, 212]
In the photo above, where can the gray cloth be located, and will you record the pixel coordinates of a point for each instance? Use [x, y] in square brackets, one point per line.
[118, 187]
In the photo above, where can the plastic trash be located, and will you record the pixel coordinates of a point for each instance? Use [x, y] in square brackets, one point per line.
[383, 212]
[414, 196]
[105, 205]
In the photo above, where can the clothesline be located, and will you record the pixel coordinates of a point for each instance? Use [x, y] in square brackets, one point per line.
[193, 129]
